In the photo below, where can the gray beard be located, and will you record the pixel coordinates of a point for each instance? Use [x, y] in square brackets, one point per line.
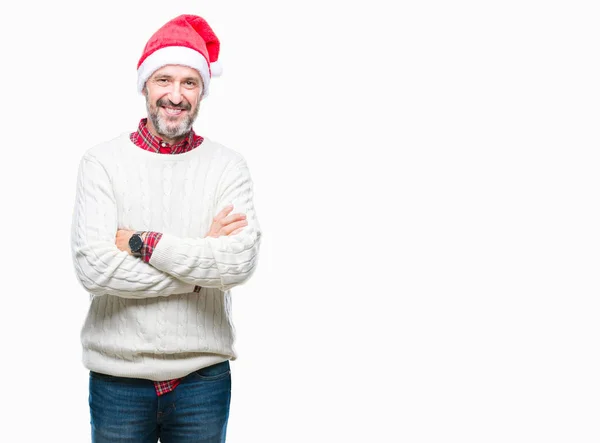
[170, 131]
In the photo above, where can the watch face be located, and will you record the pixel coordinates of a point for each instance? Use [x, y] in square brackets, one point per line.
[135, 243]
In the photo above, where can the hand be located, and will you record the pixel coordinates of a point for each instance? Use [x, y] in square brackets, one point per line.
[224, 224]
[122, 240]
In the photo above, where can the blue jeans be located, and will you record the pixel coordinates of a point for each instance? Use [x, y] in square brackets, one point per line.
[127, 410]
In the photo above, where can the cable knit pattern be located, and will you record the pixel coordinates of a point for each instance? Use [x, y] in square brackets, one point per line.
[144, 319]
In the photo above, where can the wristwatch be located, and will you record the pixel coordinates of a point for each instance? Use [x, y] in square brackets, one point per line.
[136, 243]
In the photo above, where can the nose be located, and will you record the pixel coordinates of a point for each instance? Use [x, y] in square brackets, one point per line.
[175, 94]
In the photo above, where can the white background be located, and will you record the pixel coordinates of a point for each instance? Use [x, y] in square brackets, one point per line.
[427, 180]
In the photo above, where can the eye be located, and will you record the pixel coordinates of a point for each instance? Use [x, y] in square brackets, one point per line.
[161, 81]
[190, 84]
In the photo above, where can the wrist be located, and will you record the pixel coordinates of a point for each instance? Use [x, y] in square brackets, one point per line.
[136, 243]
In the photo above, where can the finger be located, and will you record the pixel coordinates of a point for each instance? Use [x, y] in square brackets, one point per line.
[226, 230]
[231, 218]
[236, 231]
[226, 210]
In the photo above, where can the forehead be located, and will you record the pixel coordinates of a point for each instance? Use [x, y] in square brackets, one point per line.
[177, 71]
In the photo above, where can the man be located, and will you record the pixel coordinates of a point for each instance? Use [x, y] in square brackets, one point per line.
[163, 227]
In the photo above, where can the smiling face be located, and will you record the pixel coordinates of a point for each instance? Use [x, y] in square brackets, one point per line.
[173, 96]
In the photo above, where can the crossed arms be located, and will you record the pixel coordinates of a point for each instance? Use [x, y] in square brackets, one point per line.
[224, 258]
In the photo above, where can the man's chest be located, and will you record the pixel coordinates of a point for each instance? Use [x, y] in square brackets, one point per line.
[180, 200]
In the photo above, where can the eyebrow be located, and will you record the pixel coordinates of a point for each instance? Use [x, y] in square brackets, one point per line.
[197, 80]
[170, 77]
[163, 76]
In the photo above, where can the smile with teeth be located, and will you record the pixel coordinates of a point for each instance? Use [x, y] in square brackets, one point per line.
[173, 111]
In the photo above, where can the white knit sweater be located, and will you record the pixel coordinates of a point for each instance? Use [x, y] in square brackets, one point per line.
[144, 319]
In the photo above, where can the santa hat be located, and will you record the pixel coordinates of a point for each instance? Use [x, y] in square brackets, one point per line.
[186, 40]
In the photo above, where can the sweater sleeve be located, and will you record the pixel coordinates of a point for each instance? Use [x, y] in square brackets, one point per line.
[99, 265]
[222, 262]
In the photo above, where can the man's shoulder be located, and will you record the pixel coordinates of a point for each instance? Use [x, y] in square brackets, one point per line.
[106, 149]
[225, 153]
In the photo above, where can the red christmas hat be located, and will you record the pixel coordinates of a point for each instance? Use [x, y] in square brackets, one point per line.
[186, 40]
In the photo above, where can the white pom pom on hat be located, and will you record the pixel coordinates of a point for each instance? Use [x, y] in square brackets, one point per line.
[185, 40]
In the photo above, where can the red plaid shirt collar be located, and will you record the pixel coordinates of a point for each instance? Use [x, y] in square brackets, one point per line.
[145, 140]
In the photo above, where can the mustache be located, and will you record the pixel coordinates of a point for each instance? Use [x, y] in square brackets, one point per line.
[184, 105]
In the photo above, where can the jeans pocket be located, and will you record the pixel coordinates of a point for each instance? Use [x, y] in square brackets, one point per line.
[213, 372]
